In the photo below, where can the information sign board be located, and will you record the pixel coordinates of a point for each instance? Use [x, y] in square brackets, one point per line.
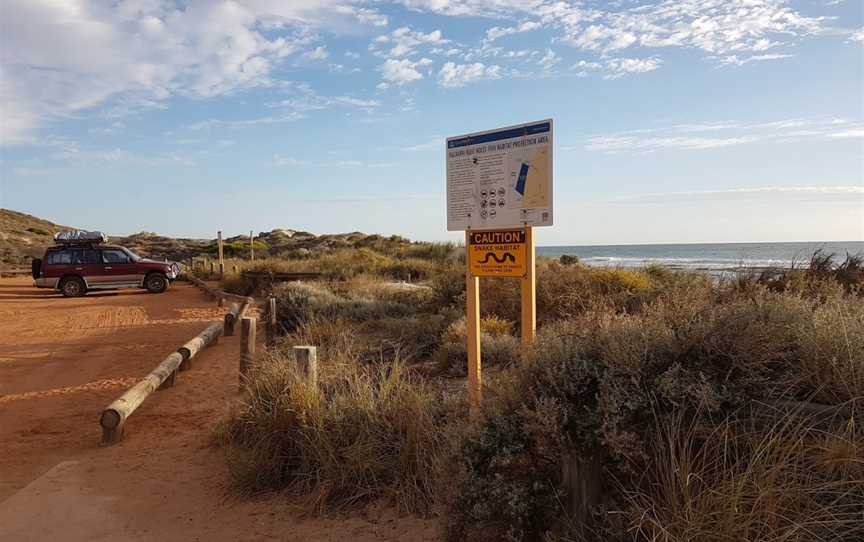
[500, 178]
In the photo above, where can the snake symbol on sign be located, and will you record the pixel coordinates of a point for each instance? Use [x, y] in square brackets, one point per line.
[504, 258]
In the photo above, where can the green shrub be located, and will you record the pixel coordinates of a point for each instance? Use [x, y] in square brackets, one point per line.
[497, 346]
[605, 380]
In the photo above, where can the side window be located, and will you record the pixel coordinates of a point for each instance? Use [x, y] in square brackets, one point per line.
[114, 256]
[85, 256]
[92, 256]
[60, 257]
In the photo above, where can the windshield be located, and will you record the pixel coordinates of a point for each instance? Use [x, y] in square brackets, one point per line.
[134, 257]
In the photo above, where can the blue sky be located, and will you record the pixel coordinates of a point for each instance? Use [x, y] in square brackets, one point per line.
[692, 121]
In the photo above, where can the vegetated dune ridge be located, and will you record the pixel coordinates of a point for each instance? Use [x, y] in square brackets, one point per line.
[713, 409]
[23, 237]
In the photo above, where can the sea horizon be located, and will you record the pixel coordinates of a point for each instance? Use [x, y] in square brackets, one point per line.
[712, 257]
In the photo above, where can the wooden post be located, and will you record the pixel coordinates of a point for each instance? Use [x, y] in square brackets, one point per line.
[582, 475]
[472, 326]
[229, 325]
[251, 246]
[529, 291]
[234, 269]
[221, 257]
[212, 267]
[306, 363]
[248, 330]
[271, 320]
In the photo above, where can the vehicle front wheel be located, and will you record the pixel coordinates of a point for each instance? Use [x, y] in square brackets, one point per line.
[73, 287]
[156, 283]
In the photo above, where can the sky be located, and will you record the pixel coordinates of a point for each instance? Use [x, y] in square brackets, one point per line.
[688, 121]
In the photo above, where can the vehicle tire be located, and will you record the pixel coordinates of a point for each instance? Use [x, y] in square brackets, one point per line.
[73, 287]
[36, 268]
[156, 283]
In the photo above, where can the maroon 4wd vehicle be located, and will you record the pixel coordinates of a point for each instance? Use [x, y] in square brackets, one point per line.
[77, 265]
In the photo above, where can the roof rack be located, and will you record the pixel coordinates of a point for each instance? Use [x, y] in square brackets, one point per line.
[80, 237]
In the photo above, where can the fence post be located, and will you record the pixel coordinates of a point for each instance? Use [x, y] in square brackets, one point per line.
[248, 330]
[306, 363]
[271, 320]
[221, 258]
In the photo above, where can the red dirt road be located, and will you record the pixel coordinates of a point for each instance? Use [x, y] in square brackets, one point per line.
[63, 360]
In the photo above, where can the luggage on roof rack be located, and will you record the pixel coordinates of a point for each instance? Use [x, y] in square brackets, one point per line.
[80, 237]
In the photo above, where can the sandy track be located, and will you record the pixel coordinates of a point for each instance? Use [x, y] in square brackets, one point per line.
[62, 360]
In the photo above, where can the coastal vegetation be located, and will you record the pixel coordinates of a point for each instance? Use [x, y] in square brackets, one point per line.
[713, 408]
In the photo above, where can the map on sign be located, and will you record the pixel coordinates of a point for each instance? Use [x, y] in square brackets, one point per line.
[500, 178]
[497, 253]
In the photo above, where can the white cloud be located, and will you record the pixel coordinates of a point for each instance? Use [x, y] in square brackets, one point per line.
[499, 32]
[714, 26]
[437, 142]
[549, 59]
[292, 116]
[291, 161]
[857, 36]
[400, 72]
[58, 59]
[723, 134]
[740, 61]
[406, 41]
[718, 27]
[619, 67]
[318, 53]
[809, 193]
[459, 75]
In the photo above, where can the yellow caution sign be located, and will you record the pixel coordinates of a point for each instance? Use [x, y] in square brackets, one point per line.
[497, 253]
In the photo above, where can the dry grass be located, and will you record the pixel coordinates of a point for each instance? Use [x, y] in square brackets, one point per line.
[789, 481]
[363, 434]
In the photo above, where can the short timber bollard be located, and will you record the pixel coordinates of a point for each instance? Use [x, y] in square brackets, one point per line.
[247, 347]
[306, 363]
[271, 320]
[230, 320]
[582, 474]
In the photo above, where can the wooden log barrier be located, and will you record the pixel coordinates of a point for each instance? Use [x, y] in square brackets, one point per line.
[115, 415]
[205, 338]
[248, 333]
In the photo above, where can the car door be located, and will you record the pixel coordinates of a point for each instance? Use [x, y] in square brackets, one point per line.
[58, 262]
[118, 267]
[87, 262]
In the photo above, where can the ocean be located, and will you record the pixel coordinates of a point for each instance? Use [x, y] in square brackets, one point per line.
[710, 257]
